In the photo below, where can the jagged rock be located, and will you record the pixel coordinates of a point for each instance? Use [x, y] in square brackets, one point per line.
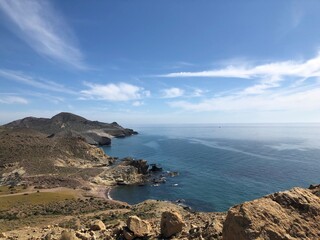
[293, 214]
[97, 225]
[171, 224]
[141, 165]
[155, 168]
[3, 235]
[67, 235]
[140, 228]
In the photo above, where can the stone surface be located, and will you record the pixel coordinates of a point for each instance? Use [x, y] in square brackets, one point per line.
[68, 235]
[140, 228]
[127, 234]
[97, 225]
[171, 224]
[293, 214]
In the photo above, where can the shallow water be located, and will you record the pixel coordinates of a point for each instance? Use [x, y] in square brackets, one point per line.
[221, 166]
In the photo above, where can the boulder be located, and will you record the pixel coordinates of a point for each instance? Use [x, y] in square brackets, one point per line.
[127, 234]
[140, 228]
[68, 235]
[97, 225]
[171, 224]
[293, 214]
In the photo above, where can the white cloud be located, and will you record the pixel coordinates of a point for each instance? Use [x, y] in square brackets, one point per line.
[309, 68]
[137, 103]
[172, 92]
[114, 92]
[13, 100]
[197, 92]
[44, 30]
[278, 86]
[298, 100]
[31, 81]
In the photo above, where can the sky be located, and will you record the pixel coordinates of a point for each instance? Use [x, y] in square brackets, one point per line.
[168, 61]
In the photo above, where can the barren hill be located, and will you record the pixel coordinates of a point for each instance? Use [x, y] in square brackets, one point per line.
[94, 132]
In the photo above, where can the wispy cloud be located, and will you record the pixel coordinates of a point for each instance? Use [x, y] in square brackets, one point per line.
[44, 30]
[114, 92]
[34, 82]
[137, 103]
[302, 99]
[7, 99]
[285, 86]
[172, 92]
[304, 69]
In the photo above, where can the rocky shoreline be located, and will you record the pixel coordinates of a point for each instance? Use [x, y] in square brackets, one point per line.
[55, 184]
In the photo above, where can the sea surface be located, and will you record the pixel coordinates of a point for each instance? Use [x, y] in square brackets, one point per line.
[222, 165]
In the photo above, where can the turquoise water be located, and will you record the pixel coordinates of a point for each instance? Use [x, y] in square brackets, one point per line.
[221, 166]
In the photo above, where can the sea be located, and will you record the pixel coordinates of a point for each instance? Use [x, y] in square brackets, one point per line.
[221, 165]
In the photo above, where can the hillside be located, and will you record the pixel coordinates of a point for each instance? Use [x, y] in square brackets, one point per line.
[54, 185]
[94, 132]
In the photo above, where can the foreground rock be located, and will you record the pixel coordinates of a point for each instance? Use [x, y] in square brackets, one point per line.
[171, 224]
[293, 214]
[138, 227]
[97, 225]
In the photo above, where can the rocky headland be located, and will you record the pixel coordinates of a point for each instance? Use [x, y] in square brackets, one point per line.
[53, 180]
[71, 125]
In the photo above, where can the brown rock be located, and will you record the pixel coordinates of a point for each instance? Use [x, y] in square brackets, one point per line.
[127, 234]
[171, 223]
[293, 214]
[3, 235]
[139, 227]
[97, 225]
[66, 235]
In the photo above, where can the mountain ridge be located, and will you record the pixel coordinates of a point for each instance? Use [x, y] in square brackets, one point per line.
[65, 123]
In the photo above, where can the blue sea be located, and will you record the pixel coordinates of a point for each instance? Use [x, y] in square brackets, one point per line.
[222, 165]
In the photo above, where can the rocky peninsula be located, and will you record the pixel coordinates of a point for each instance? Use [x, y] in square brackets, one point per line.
[53, 179]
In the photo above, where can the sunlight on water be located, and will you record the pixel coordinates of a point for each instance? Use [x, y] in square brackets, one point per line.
[222, 165]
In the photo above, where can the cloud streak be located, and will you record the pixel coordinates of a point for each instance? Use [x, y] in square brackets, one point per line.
[270, 93]
[13, 100]
[44, 30]
[309, 68]
[31, 81]
[114, 92]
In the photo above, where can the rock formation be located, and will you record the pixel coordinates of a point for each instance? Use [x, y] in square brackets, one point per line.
[171, 224]
[293, 214]
[137, 228]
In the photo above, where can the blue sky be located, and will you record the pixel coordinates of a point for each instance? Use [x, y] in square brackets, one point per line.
[161, 61]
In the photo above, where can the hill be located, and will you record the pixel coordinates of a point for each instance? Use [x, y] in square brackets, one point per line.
[68, 124]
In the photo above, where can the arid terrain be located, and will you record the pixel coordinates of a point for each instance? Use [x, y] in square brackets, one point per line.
[53, 185]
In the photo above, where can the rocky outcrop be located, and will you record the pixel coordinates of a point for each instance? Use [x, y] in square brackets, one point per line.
[171, 224]
[97, 225]
[137, 228]
[293, 214]
[68, 124]
[141, 165]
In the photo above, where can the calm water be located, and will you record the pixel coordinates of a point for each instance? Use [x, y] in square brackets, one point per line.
[222, 165]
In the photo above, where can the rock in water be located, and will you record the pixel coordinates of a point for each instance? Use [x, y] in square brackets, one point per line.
[171, 223]
[140, 228]
[97, 225]
[293, 214]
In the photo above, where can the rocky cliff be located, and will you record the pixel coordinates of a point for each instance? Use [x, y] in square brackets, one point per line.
[293, 214]
[68, 124]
